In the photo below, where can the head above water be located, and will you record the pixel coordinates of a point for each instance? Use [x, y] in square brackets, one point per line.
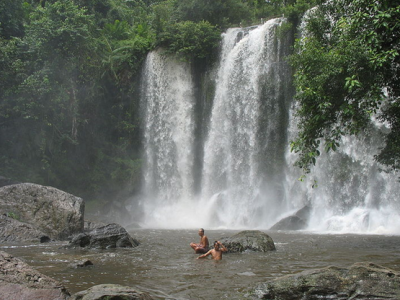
[216, 245]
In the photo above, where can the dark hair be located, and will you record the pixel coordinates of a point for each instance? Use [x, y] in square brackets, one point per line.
[201, 229]
[216, 243]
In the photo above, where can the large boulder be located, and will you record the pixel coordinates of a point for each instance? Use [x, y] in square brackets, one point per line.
[12, 230]
[52, 211]
[18, 281]
[297, 221]
[104, 237]
[111, 292]
[249, 240]
[360, 281]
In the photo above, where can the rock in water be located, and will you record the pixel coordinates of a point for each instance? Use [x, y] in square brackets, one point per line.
[108, 236]
[111, 291]
[81, 264]
[290, 223]
[12, 230]
[360, 281]
[298, 221]
[251, 240]
[18, 281]
[52, 211]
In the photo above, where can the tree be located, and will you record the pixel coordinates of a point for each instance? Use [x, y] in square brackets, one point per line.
[190, 39]
[348, 69]
[222, 13]
[11, 17]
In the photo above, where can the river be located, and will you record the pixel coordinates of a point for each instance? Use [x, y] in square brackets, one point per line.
[165, 266]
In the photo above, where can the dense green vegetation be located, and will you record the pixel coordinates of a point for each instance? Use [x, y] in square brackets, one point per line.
[347, 70]
[69, 81]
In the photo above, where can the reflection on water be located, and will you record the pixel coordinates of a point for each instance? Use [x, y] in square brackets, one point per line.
[165, 266]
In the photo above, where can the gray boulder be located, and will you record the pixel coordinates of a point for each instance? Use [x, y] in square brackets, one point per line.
[18, 281]
[111, 292]
[290, 223]
[297, 221]
[249, 240]
[360, 281]
[12, 230]
[104, 237]
[89, 225]
[52, 211]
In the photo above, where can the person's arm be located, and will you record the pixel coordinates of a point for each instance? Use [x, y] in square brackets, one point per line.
[222, 247]
[204, 255]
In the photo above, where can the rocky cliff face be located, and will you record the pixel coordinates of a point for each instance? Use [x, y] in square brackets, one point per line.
[51, 211]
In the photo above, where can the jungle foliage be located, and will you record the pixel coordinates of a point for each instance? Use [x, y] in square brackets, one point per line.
[69, 81]
[347, 70]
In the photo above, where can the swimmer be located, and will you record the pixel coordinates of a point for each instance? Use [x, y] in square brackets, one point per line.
[215, 253]
[203, 246]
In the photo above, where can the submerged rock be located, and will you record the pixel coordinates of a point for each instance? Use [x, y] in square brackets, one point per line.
[249, 240]
[297, 221]
[80, 264]
[111, 291]
[52, 211]
[12, 230]
[104, 237]
[360, 281]
[18, 281]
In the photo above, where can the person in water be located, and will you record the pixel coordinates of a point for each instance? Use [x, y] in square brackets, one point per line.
[215, 253]
[201, 247]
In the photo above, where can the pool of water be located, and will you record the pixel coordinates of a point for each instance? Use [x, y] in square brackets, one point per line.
[165, 266]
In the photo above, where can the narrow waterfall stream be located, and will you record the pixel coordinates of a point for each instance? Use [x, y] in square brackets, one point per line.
[168, 103]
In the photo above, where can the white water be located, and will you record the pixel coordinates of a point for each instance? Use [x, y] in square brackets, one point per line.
[247, 178]
[167, 104]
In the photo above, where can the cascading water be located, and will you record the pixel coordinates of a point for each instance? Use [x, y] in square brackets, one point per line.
[346, 189]
[350, 193]
[167, 108]
[243, 152]
[247, 178]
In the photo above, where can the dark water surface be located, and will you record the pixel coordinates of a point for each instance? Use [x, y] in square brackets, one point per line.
[165, 266]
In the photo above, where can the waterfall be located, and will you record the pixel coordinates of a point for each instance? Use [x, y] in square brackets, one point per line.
[247, 174]
[167, 108]
[350, 193]
[242, 154]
